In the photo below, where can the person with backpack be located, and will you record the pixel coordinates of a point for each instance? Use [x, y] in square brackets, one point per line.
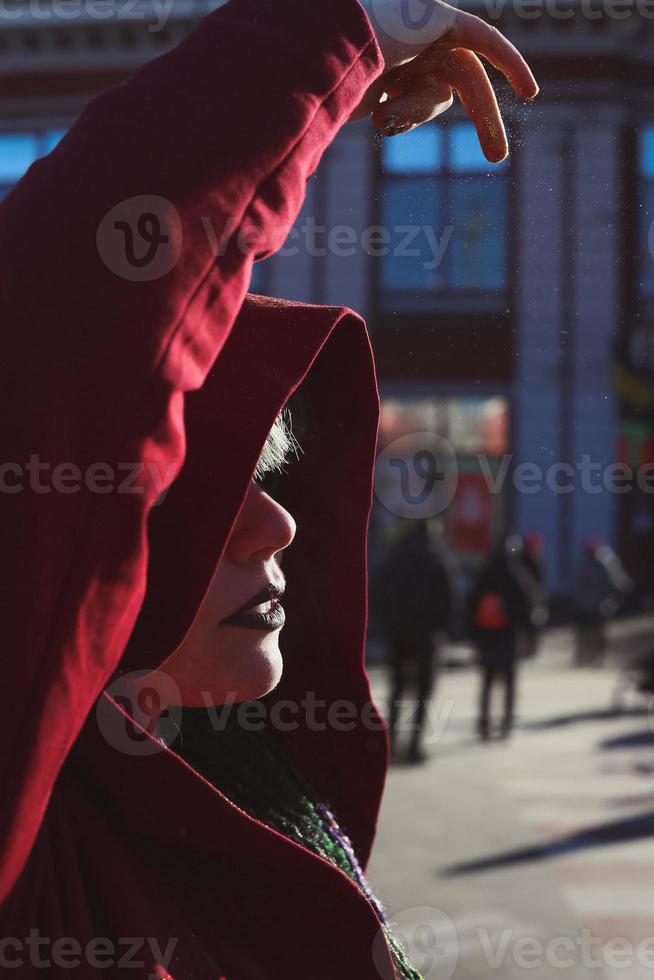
[499, 608]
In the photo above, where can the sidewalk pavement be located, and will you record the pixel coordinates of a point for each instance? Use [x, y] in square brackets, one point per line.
[627, 638]
[532, 857]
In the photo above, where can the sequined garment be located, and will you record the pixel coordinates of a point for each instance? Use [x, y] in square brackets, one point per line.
[252, 770]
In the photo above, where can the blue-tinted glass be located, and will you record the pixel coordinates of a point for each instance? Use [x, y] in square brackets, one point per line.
[50, 139]
[17, 152]
[647, 212]
[478, 247]
[465, 152]
[418, 152]
[412, 261]
[647, 152]
[258, 278]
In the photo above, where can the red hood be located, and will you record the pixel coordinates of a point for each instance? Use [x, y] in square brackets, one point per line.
[284, 345]
[159, 797]
[139, 843]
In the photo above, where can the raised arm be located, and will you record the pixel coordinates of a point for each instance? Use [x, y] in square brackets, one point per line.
[124, 258]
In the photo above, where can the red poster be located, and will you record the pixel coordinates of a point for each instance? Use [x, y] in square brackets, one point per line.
[470, 515]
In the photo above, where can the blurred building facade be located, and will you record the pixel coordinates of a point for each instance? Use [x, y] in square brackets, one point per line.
[511, 306]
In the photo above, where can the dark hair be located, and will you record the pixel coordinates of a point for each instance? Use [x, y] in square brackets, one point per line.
[278, 447]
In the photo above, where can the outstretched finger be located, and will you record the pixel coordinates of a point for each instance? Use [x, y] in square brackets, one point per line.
[475, 34]
[465, 73]
[472, 33]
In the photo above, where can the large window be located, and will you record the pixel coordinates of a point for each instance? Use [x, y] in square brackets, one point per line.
[646, 210]
[441, 459]
[19, 149]
[443, 208]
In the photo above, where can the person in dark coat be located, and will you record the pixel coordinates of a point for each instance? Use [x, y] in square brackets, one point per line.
[529, 552]
[412, 595]
[499, 608]
[602, 586]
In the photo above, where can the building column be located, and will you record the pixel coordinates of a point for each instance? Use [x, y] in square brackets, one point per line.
[537, 401]
[596, 322]
[349, 204]
[567, 296]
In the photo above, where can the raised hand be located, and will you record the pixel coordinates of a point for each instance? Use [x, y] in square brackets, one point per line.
[431, 52]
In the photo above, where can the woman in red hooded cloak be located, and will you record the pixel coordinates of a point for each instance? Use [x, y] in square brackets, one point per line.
[142, 828]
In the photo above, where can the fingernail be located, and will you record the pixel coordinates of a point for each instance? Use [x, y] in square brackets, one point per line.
[390, 123]
[393, 126]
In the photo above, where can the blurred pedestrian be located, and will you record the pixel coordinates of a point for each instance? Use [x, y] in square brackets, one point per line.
[530, 554]
[602, 587]
[412, 598]
[499, 607]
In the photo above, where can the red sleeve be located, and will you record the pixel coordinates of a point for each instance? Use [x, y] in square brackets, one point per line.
[121, 274]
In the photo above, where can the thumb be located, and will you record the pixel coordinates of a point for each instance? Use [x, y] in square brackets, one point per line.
[405, 28]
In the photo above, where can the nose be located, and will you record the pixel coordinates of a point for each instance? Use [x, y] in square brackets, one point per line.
[263, 528]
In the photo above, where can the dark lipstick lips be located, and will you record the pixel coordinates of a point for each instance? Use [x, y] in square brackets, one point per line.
[272, 620]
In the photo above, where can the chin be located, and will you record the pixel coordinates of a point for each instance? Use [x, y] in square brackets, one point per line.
[245, 676]
[262, 676]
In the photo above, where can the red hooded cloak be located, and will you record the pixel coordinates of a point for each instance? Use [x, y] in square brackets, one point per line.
[112, 392]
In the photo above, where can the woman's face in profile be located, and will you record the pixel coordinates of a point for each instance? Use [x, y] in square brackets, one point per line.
[231, 652]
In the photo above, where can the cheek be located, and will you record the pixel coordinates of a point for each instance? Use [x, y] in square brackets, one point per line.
[222, 596]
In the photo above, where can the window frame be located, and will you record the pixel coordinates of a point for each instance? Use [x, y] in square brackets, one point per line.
[465, 300]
